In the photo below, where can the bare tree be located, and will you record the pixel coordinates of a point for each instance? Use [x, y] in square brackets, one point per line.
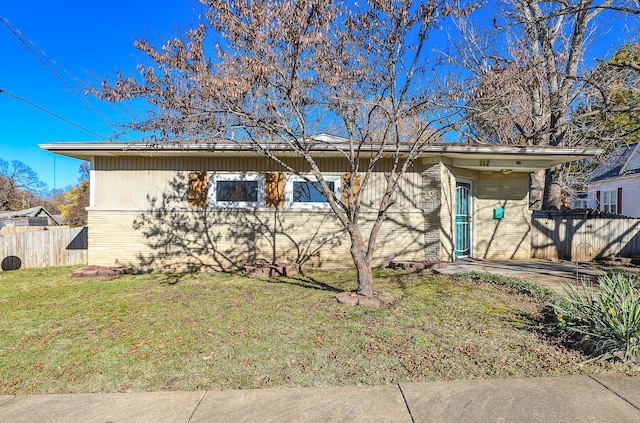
[20, 186]
[281, 72]
[530, 75]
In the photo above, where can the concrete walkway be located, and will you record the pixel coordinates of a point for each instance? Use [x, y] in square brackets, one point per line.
[613, 398]
[548, 273]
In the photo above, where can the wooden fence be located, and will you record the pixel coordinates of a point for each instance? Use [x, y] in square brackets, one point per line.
[583, 237]
[43, 247]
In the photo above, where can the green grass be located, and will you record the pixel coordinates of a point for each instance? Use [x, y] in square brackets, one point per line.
[219, 331]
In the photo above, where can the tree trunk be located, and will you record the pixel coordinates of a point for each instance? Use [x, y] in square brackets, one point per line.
[363, 265]
[536, 189]
[553, 189]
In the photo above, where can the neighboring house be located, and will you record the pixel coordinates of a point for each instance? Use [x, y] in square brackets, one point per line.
[579, 200]
[614, 186]
[221, 205]
[35, 216]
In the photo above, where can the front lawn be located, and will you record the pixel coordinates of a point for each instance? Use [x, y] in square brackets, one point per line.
[219, 331]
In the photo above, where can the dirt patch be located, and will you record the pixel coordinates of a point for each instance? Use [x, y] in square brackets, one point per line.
[352, 298]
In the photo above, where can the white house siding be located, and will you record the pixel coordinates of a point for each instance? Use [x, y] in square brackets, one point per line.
[630, 193]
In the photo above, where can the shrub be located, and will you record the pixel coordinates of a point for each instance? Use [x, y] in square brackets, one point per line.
[607, 321]
[522, 286]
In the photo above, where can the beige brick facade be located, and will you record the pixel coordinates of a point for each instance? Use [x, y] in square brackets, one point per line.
[183, 239]
[505, 238]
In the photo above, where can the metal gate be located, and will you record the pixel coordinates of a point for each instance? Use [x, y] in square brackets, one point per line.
[462, 246]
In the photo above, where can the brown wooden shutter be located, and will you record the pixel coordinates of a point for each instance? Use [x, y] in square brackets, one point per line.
[345, 183]
[598, 200]
[198, 189]
[274, 189]
[620, 200]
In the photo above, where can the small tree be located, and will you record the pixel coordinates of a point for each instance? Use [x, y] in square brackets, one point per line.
[77, 199]
[281, 72]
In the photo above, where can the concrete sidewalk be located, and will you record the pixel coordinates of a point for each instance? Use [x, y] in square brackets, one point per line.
[614, 398]
[552, 274]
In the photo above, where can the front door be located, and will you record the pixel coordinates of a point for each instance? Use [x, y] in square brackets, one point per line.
[463, 220]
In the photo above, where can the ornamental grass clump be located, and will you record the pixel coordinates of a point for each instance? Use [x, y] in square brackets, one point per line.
[607, 321]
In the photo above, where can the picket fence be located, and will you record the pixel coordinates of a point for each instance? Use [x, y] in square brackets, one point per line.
[43, 247]
[583, 237]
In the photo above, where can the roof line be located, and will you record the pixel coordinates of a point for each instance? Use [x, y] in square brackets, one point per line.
[631, 156]
[322, 147]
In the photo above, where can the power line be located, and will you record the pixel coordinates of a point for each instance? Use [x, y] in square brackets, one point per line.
[51, 113]
[26, 41]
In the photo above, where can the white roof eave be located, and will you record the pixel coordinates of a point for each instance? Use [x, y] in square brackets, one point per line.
[467, 156]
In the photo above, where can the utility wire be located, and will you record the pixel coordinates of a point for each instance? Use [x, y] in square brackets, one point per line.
[26, 41]
[52, 114]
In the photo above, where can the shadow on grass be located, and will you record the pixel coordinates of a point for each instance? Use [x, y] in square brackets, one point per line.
[304, 281]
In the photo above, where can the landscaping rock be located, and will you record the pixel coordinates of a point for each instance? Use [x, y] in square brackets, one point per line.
[369, 302]
[101, 272]
[348, 298]
[417, 266]
[386, 298]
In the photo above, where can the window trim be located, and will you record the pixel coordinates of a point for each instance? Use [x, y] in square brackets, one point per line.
[607, 201]
[288, 191]
[237, 176]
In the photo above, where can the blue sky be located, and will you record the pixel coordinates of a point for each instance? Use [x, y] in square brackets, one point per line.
[91, 40]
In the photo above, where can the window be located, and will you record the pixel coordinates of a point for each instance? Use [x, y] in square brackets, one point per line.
[610, 201]
[579, 204]
[237, 190]
[301, 193]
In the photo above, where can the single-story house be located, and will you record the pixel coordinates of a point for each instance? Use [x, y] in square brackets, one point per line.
[614, 185]
[221, 205]
[34, 216]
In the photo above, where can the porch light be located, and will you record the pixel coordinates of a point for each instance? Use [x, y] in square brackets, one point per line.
[506, 171]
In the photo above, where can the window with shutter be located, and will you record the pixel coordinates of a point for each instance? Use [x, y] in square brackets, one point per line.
[236, 190]
[304, 194]
[610, 201]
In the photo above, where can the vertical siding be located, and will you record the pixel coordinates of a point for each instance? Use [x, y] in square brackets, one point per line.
[130, 182]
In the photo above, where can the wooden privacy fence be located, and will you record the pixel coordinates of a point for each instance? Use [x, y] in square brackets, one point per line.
[43, 247]
[583, 236]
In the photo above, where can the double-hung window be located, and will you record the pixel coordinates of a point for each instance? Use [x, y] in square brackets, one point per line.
[303, 193]
[237, 190]
[610, 201]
